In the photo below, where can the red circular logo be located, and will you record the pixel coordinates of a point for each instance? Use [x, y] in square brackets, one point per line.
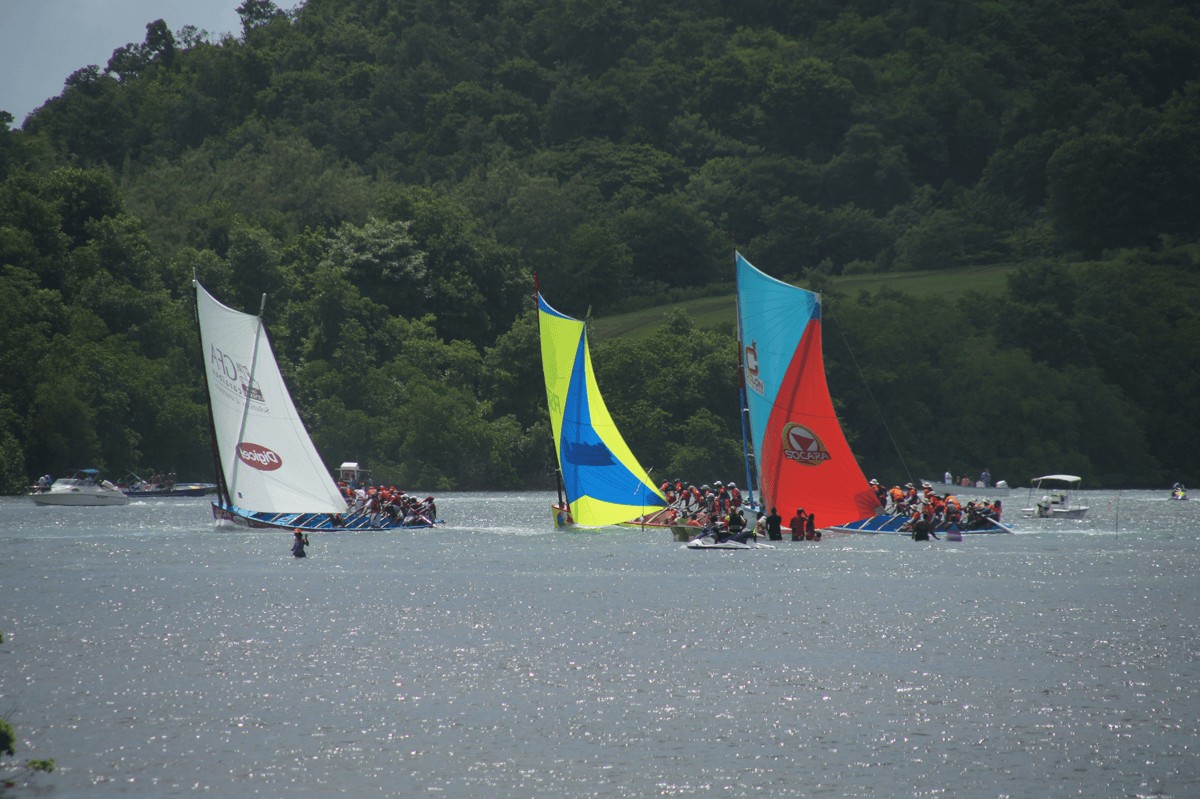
[259, 457]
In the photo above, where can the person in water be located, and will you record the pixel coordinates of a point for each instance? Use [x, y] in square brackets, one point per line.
[922, 529]
[299, 542]
[797, 525]
[775, 526]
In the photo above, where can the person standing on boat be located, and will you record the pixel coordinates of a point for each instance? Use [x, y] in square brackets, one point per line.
[985, 477]
[299, 542]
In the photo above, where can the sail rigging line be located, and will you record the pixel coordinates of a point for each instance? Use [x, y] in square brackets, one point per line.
[249, 388]
[878, 409]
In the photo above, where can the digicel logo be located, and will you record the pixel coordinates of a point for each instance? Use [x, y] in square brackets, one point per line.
[259, 457]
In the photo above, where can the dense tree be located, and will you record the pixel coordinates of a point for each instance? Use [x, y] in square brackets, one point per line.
[393, 174]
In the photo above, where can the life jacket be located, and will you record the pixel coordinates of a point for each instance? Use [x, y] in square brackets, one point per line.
[897, 494]
[735, 497]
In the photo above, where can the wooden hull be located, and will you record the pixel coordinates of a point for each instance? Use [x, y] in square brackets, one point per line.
[896, 525]
[312, 522]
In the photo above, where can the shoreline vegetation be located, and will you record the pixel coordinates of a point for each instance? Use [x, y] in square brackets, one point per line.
[997, 202]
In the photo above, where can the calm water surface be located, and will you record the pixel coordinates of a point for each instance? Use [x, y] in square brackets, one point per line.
[152, 655]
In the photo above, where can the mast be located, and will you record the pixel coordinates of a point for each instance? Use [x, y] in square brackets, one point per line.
[258, 336]
[558, 478]
[743, 407]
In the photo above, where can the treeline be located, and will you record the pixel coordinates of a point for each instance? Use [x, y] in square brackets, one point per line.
[392, 174]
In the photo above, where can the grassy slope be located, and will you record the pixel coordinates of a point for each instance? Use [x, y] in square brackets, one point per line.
[720, 312]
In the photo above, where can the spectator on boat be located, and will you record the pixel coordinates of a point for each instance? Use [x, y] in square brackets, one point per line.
[722, 500]
[953, 509]
[775, 526]
[43, 483]
[299, 542]
[985, 477]
[668, 491]
[797, 525]
[948, 478]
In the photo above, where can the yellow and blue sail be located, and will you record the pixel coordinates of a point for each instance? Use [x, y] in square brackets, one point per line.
[604, 482]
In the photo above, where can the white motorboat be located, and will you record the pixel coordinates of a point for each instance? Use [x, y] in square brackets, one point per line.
[83, 487]
[1056, 502]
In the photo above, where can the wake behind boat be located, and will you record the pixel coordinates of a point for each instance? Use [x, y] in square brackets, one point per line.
[269, 474]
[601, 483]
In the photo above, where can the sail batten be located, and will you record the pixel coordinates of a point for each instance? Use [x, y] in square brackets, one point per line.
[264, 449]
[801, 453]
[603, 481]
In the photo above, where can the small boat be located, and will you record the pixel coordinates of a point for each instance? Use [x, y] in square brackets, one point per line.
[709, 542]
[1056, 502]
[600, 482]
[137, 488]
[977, 489]
[83, 488]
[269, 474]
[884, 523]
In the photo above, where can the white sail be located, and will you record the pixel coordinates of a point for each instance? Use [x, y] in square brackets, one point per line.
[269, 461]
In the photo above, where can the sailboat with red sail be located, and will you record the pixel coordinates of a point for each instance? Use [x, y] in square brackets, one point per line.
[801, 454]
[802, 458]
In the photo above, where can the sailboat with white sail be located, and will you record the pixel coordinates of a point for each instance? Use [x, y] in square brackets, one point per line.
[601, 482]
[269, 474]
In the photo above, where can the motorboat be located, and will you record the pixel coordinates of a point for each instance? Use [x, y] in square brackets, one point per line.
[83, 487]
[1000, 488]
[158, 487]
[1056, 501]
[720, 542]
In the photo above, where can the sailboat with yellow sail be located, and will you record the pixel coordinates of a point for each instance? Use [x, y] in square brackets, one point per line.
[601, 483]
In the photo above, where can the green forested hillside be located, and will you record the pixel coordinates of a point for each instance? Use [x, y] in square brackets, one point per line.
[392, 173]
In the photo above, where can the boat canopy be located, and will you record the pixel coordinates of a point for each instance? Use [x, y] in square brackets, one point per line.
[1066, 478]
